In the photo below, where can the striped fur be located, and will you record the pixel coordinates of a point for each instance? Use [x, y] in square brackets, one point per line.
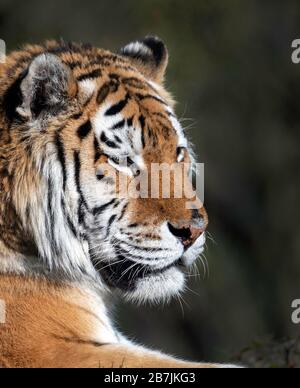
[66, 110]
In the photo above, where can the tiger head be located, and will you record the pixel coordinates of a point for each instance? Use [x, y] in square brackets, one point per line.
[76, 121]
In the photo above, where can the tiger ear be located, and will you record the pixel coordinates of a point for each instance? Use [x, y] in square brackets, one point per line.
[149, 56]
[47, 87]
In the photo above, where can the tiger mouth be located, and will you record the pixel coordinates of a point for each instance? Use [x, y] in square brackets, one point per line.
[125, 273]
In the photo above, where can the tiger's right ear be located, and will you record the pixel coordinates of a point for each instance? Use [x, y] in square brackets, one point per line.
[47, 87]
[150, 56]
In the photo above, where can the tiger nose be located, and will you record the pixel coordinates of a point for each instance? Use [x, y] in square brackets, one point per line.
[187, 235]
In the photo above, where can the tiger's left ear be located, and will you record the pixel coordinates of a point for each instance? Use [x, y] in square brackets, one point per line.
[149, 56]
[47, 87]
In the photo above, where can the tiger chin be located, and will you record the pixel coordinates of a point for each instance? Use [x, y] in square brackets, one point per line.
[69, 113]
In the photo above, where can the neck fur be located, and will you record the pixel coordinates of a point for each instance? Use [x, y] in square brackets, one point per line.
[36, 238]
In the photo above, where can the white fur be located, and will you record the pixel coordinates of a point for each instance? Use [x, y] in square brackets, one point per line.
[138, 48]
[193, 253]
[103, 332]
[87, 87]
[161, 287]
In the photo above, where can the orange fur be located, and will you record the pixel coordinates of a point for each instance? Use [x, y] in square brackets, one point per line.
[50, 326]
[55, 323]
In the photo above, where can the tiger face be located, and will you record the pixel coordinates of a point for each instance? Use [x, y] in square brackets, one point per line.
[83, 122]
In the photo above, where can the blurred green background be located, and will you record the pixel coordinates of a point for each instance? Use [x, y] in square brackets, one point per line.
[231, 71]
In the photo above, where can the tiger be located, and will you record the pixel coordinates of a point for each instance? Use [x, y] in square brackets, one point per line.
[68, 241]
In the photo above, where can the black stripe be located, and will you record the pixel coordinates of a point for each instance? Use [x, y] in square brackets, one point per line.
[141, 249]
[143, 123]
[150, 97]
[130, 122]
[103, 93]
[125, 252]
[62, 158]
[50, 212]
[81, 212]
[166, 130]
[110, 222]
[108, 142]
[88, 101]
[123, 212]
[161, 115]
[114, 76]
[133, 225]
[115, 109]
[75, 64]
[99, 210]
[51, 219]
[117, 203]
[113, 159]
[76, 116]
[97, 150]
[71, 226]
[94, 74]
[84, 130]
[69, 221]
[130, 162]
[77, 171]
[79, 341]
[134, 83]
[118, 140]
[119, 125]
[170, 114]
[77, 165]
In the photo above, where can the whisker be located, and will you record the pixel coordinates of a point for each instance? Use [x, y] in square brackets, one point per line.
[112, 263]
[192, 291]
[184, 301]
[211, 238]
[127, 270]
[181, 305]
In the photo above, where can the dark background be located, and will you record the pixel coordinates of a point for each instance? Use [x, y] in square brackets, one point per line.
[231, 71]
